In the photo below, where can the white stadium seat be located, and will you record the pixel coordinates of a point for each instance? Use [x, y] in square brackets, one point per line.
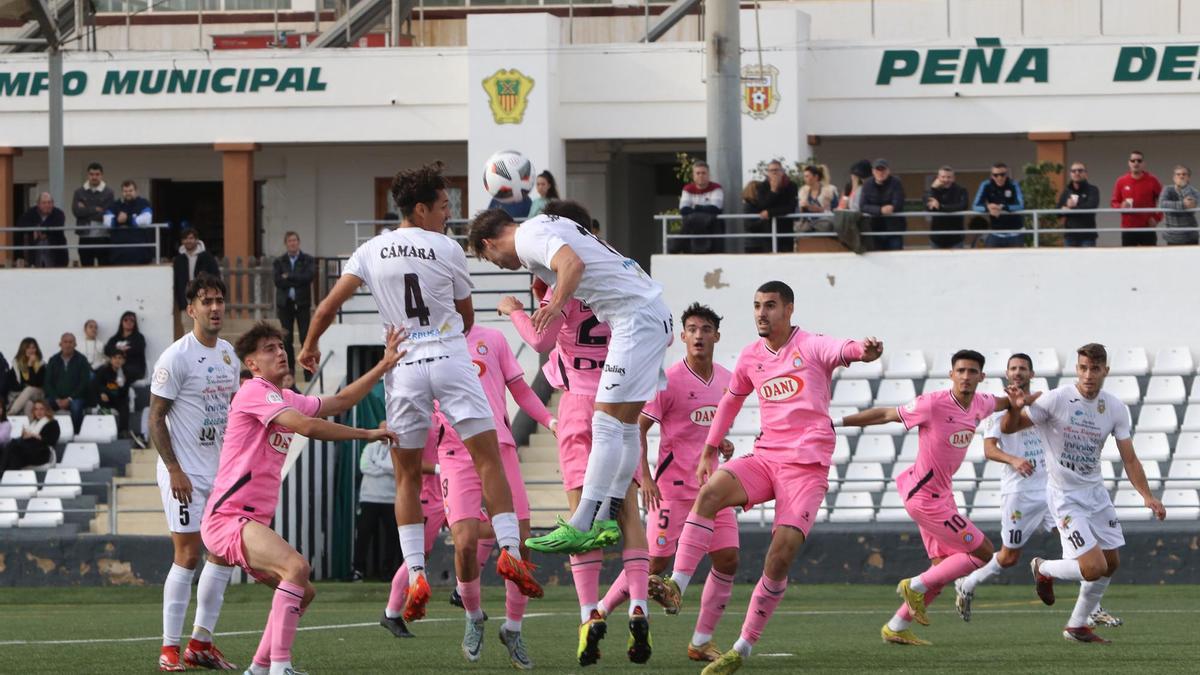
[939, 365]
[992, 385]
[62, 483]
[1045, 362]
[18, 484]
[1179, 474]
[890, 428]
[835, 483]
[1107, 473]
[1152, 446]
[42, 512]
[853, 507]
[875, 448]
[1191, 417]
[891, 509]
[9, 515]
[836, 411]
[1153, 475]
[996, 361]
[1162, 418]
[855, 393]
[964, 478]
[841, 450]
[1173, 361]
[1128, 361]
[935, 384]
[1187, 446]
[975, 449]
[993, 473]
[960, 500]
[1193, 397]
[864, 476]
[98, 429]
[906, 363]
[986, 505]
[863, 371]
[742, 444]
[652, 445]
[1166, 389]
[66, 428]
[1130, 505]
[1109, 452]
[748, 421]
[86, 456]
[1180, 504]
[18, 423]
[899, 468]
[1039, 384]
[910, 447]
[1124, 387]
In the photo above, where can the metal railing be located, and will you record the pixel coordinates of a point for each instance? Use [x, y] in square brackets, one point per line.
[155, 245]
[1035, 230]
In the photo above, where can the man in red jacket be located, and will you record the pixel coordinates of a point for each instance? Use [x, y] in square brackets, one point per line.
[1138, 189]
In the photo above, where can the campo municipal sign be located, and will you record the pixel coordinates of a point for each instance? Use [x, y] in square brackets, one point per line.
[166, 81]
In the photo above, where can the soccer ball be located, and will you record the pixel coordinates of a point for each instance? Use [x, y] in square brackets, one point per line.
[508, 175]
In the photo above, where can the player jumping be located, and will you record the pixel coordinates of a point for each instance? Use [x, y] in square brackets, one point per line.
[193, 382]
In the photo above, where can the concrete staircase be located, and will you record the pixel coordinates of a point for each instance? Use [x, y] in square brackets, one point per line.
[142, 468]
[539, 462]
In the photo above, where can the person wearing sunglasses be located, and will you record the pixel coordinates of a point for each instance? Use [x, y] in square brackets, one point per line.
[1079, 194]
[1138, 189]
[999, 197]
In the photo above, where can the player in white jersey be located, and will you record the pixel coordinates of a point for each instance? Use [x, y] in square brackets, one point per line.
[193, 381]
[1024, 509]
[1077, 420]
[578, 264]
[418, 277]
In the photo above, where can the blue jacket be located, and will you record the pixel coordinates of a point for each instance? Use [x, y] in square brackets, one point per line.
[1009, 195]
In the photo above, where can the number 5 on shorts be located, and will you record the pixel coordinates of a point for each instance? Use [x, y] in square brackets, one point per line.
[184, 516]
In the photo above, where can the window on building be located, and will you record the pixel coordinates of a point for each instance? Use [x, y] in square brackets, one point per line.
[243, 5]
[186, 5]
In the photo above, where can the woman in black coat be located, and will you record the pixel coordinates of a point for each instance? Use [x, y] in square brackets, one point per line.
[130, 341]
[36, 444]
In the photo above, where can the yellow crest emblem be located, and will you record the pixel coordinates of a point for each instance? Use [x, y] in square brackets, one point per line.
[508, 94]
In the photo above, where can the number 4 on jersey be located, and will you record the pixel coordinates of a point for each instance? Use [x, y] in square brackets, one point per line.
[414, 304]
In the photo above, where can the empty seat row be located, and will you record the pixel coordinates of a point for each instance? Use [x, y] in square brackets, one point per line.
[23, 484]
[911, 363]
[39, 512]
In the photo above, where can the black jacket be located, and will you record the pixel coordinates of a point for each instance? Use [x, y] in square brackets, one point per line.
[105, 382]
[135, 356]
[952, 197]
[299, 279]
[781, 203]
[1089, 198]
[54, 226]
[876, 196]
[205, 262]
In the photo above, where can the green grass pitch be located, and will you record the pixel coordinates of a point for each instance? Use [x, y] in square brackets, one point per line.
[827, 628]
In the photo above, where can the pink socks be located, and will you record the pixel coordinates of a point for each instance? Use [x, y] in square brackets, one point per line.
[285, 617]
[694, 542]
[585, 570]
[469, 590]
[637, 575]
[617, 594]
[712, 602]
[953, 567]
[766, 597]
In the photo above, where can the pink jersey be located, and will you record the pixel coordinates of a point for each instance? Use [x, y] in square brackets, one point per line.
[684, 411]
[793, 387]
[580, 346]
[496, 366]
[254, 450]
[945, 432]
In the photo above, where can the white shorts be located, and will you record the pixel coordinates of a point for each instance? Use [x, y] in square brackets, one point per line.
[1085, 518]
[412, 387]
[1022, 515]
[184, 518]
[633, 369]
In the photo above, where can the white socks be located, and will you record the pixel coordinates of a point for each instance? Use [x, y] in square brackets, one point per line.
[991, 569]
[508, 534]
[512, 626]
[1067, 570]
[177, 593]
[412, 547]
[917, 585]
[210, 595]
[1090, 593]
[700, 639]
[585, 612]
[604, 463]
[635, 604]
[898, 624]
[742, 647]
[631, 456]
[280, 667]
[682, 580]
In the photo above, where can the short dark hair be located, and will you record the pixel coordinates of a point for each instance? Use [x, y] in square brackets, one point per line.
[247, 344]
[95, 166]
[701, 312]
[999, 165]
[699, 164]
[811, 168]
[1094, 351]
[486, 225]
[779, 287]
[128, 182]
[1138, 153]
[417, 186]
[289, 234]
[188, 232]
[1024, 357]
[968, 355]
[569, 209]
[204, 281]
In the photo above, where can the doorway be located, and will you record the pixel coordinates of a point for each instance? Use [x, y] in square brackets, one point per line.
[196, 204]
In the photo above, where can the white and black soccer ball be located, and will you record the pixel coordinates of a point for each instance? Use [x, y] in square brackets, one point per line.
[507, 176]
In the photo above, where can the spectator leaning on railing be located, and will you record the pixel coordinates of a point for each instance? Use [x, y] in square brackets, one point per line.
[817, 195]
[67, 378]
[1078, 193]
[1181, 227]
[1138, 189]
[89, 204]
[700, 203]
[45, 225]
[774, 196]
[883, 196]
[124, 218]
[946, 195]
[998, 197]
[852, 194]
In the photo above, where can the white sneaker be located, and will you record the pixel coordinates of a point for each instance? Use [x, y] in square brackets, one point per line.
[962, 600]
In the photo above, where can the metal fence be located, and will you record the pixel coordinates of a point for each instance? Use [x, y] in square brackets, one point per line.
[153, 243]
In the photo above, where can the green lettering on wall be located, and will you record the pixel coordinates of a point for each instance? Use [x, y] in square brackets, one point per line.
[117, 82]
[984, 64]
[1135, 64]
[153, 81]
[74, 83]
[939, 66]
[292, 80]
[314, 80]
[263, 77]
[895, 63]
[219, 85]
[182, 81]
[14, 84]
[1032, 64]
[1178, 63]
[41, 82]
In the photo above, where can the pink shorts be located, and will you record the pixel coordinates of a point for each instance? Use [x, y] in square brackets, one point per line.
[574, 437]
[797, 489]
[463, 490]
[665, 524]
[222, 536]
[944, 530]
[435, 520]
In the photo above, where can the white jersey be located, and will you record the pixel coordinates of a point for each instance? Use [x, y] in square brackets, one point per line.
[200, 381]
[1029, 444]
[611, 285]
[415, 276]
[1077, 429]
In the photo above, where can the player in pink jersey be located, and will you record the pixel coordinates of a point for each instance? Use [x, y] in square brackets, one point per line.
[262, 420]
[435, 520]
[946, 421]
[791, 371]
[684, 411]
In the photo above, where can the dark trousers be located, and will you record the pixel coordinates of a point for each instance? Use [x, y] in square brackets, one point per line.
[24, 452]
[76, 406]
[90, 257]
[375, 531]
[1139, 237]
[300, 315]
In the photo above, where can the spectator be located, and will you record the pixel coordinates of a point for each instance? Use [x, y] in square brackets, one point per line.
[5, 428]
[700, 203]
[999, 197]
[774, 196]
[4, 368]
[36, 444]
[26, 378]
[860, 171]
[124, 218]
[817, 195]
[1181, 227]
[376, 522]
[92, 349]
[881, 197]
[192, 261]
[1079, 194]
[110, 390]
[129, 341]
[294, 272]
[547, 190]
[1138, 189]
[67, 377]
[89, 205]
[517, 209]
[43, 229]
[947, 196]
